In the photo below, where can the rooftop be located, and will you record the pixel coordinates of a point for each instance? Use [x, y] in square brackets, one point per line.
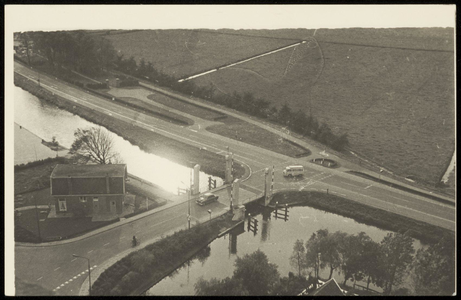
[66, 170]
[329, 288]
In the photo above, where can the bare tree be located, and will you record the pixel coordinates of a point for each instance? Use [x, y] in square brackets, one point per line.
[95, 143]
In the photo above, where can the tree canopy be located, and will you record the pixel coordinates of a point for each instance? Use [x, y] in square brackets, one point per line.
[97, 144]
[253, 275]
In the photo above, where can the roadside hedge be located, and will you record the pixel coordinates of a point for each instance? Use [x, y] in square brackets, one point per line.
[150, 263]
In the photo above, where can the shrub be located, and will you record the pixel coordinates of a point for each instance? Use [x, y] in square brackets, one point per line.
[129, 280]
[60, 159]
[96, 85]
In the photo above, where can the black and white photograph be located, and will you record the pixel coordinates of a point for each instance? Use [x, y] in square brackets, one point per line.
[230, 150]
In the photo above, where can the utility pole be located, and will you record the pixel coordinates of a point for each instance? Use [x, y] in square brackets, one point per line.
[188, 198]
[38, 220]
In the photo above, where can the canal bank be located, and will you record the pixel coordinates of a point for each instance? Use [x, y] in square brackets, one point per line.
[146, 140]
[29, 147]
[167, 261]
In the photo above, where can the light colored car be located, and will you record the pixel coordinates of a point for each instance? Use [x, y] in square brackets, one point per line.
[293, 171]
[206, 199]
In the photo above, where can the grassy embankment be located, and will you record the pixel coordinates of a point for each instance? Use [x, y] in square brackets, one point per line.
[381, 95]
[148, 141]
[235, 128]
[136, 272]
[363, 214]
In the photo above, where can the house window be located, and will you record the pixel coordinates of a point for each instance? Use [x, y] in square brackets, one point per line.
[83, 199]
[62, 204]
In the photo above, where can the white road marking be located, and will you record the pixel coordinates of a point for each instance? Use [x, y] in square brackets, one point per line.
[106, 244]
[57, 268]
[90, 251]
[368, 187]
[73, 260]
[355, 185]
[40, 278]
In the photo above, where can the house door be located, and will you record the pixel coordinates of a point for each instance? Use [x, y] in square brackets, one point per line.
[95, 205]
[113, 207]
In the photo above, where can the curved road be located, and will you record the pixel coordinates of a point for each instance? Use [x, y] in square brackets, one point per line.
[53, 266]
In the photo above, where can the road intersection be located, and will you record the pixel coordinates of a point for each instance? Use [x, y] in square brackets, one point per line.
[53, 265]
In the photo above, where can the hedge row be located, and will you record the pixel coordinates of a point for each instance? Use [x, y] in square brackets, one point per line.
[126, 275]
[296, 121]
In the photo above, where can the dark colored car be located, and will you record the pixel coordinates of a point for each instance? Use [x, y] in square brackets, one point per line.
[206, 199]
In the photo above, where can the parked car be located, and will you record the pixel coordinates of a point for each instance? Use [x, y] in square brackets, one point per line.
[206, 199]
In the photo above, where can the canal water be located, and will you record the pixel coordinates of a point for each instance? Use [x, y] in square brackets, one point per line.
[46, 120]
[274, 237]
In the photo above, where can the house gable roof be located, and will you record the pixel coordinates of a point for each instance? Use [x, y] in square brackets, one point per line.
[329, 288]
[66, 170]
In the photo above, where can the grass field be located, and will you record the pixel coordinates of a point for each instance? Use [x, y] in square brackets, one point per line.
[397, 105]
[186, 52]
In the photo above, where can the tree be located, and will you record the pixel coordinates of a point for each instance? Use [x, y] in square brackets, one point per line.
[323, 250]
[257, 274]
[329, 248]
[216, 287]
[284, 114]
[434, 269]
[299, 121]
[313, 251]
[298, 258]
[96, 143]
[352, 251]
[253, 275]
[25, 39]
[397, 250]
[371, 262]
[340, 142]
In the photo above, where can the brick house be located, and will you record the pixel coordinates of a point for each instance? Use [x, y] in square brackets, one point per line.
[88, 190]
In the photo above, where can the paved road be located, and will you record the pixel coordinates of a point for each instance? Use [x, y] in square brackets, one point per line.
[53, 266]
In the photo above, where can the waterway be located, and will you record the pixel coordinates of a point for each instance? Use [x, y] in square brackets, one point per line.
[46, 120]
[274, 237]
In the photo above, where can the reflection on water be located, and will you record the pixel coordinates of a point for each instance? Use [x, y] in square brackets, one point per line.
[47, 120]
[275, 237]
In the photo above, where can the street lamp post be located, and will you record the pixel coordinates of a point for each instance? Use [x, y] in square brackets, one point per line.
[209, 211]
[38, 219]
[89, 272]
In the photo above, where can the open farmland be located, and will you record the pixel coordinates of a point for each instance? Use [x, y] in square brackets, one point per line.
[391, 90]
[185, 52]
[396, 105]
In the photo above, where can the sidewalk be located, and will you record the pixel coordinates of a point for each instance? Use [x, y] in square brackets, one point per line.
[180, 200]
[101, 268]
